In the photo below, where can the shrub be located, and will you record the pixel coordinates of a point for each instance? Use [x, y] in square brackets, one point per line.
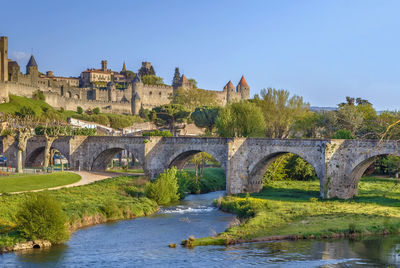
[79, 110]
[41, 217]
[96, 110]
[26, 111]
[343, 134]
[164, 189]
[38, 95]
[157, 133]
[186, 184]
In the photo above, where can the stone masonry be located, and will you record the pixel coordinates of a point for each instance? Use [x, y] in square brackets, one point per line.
[339, 164]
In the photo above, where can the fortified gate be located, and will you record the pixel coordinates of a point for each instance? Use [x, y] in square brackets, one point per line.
[339, 164]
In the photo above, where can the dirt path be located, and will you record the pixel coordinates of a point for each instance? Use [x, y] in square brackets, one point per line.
[86, 178]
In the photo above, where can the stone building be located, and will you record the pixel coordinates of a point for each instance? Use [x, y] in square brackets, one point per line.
[111, 91]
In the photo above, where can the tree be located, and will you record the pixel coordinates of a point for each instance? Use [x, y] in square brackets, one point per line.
[343, 134]
[195, 97]
[41, 217]
[280, 111]
[23, 127]
[205, 116]
[199, 160]
[240, 119]
[171, 114]
[79, 110]
[152, 80]
[193, 82]
[164, 190]
[51, 131]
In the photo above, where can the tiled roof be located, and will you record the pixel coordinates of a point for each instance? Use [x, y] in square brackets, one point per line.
[32, 62]
[243, 82]
[229, 85]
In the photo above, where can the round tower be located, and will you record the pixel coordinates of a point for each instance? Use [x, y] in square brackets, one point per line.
[112, 92]
[230, 91]
[244, 89]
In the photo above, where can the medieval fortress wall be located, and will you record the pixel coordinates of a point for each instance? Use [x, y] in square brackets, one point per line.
[111, 91]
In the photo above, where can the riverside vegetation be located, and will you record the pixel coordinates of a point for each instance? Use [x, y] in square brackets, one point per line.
[292, 210]
[65, 210]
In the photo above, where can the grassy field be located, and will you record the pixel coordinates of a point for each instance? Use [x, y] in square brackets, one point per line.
[129, 170]
[17, 183]
[213, 179]
[111, 199]
[293, 208]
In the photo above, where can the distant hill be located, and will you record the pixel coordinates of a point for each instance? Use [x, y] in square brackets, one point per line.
[320, 109]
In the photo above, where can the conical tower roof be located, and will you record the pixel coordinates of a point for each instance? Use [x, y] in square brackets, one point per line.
[243, 82]
[184, 79]
[229, 86]
[32, 62]
[124, 67]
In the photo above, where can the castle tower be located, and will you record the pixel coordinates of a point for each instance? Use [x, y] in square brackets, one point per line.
[243, 88]
[32, 66]
[112, 91]
[184, 82]
[176, 79]
[230, 91]
[3, 58]
[33, 71]
[123, 68]
[104, 65]
[147, 69]
[137, 92]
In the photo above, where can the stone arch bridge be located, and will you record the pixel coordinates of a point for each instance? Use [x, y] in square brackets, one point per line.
[339, 164]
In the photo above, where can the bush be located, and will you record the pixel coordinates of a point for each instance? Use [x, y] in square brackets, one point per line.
[41, 217]
[38, 95]
[26, 111]
[164, 190]
[79, 110]
[157, 133]
[343, 134]
[186, 184]
[96, 110]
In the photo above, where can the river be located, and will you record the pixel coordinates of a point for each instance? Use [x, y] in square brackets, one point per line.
[143, 242]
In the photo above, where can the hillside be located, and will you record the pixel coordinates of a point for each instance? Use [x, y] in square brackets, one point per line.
[43, 110]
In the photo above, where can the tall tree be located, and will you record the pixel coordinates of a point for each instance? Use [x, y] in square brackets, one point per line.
[205, 116]
[170, 115]
[241, 119]
[280, 111]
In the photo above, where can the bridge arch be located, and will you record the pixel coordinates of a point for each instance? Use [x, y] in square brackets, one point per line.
[36, 157]
[103, 156]
[259, 166]
[358, 168]
[179, 158]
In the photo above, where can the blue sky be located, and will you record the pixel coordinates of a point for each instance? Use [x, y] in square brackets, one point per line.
[321, 50]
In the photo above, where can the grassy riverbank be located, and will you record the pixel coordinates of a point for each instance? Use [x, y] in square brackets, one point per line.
[111, 199]
[292, 209]
[28, 182]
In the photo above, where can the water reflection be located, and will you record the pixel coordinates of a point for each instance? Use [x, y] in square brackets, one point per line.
[143, 242]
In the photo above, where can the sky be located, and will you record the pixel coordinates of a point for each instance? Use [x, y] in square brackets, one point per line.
[321, 50]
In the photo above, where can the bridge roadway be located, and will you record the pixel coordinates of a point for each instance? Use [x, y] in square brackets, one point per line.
[339, 164]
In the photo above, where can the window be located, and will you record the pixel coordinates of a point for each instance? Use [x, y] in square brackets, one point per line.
[150, 93]
[159, 93]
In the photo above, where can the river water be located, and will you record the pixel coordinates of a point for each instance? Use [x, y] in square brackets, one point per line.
[143, 242]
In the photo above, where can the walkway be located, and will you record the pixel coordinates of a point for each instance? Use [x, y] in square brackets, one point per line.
[86, 178]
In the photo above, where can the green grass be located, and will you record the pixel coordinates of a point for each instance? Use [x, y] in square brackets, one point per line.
[16, 103]
[17, 183]
[213, 179]
[129, 170]
[294, 208]
[111, 199]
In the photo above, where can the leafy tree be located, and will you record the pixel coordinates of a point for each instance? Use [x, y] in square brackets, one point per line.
[171, 114]
[79, 110]
[96, 110]
[152, 80]
[195, 97]
[349, 117]
[205, 116]
[41, 217]
[289, 167]
[199, 160]
[240, 119]
[193, 82]
[38, 95]
[280, 111]
[164, 190]
[343, 134]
